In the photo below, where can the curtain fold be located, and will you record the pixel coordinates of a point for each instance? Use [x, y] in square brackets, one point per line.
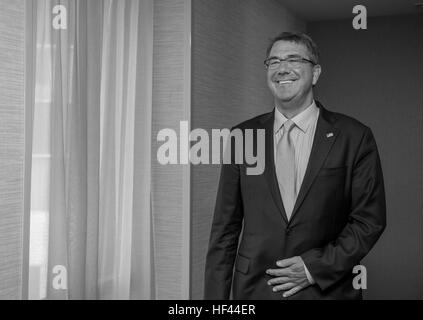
[117, 112]
[142, 262]
[68, 162]
[89, 79]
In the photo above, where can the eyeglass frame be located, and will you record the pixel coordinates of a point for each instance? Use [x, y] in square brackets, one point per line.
[298, 58]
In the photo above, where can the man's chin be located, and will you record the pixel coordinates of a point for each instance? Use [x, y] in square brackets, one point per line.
[284, 95]
[285, 99]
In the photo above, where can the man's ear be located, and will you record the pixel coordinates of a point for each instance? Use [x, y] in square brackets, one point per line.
[317, 70]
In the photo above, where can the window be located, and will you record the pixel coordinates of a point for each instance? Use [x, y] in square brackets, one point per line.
[40, 180]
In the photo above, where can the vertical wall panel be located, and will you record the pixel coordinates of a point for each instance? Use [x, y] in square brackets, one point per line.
[229, 41]
[12, 26]
[170, 183]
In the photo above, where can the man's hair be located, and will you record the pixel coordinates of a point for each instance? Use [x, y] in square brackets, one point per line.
[297, 37]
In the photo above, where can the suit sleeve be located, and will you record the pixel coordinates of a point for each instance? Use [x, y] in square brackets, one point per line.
[225, 231]
[366, 221]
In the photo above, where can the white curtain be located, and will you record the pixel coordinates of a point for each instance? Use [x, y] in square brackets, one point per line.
[93, 81]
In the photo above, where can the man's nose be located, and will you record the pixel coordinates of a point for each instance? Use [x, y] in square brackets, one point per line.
[282, 71]
[284, 67]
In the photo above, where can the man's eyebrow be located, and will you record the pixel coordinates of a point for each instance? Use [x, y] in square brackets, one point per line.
[293, 56]
[272, 57]
[287, 57]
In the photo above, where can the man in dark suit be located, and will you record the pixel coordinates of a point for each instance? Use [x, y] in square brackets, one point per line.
[319, 206]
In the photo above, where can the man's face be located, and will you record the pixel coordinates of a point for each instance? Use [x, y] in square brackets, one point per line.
[292, 82]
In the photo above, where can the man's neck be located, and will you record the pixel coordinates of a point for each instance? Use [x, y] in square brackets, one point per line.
[292, 108]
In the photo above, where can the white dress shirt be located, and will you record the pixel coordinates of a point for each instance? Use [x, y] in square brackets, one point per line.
[302, 136]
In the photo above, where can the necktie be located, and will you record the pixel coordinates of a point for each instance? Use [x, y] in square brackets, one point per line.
[285, 168]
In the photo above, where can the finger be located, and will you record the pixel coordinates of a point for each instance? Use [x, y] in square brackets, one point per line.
[292, 291]
[278, 272]
[280, 280]
[286, 262]
[285, 286]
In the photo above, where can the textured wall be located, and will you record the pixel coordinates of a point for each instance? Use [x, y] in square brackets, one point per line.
[170, 183]
[12, 25]
[229, 39]
[376, 75]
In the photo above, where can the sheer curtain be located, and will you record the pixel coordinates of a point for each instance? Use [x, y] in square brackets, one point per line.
[89, 77]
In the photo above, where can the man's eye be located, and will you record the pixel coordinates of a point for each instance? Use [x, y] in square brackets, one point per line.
[274, 62]
[293, 60]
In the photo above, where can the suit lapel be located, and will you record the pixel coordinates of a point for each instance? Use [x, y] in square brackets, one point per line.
[324, 138]
[269, 171]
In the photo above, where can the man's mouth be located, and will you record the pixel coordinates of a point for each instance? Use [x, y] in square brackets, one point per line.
[280, 82]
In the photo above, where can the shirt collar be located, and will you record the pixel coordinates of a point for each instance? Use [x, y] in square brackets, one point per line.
[301, 120]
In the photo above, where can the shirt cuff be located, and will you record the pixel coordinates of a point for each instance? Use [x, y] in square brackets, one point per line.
[309, 277]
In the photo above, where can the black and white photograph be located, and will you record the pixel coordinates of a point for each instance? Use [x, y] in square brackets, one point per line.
[225, 150]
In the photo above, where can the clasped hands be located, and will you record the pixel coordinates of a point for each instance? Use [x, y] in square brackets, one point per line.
[289, 277]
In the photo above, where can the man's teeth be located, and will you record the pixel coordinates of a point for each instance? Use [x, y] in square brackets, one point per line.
[285, 81]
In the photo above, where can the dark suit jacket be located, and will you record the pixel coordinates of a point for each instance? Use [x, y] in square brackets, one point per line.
[339, 214]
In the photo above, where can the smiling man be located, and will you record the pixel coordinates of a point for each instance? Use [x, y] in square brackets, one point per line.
[319, 206]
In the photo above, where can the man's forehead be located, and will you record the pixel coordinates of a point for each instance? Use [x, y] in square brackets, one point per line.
[287, 48]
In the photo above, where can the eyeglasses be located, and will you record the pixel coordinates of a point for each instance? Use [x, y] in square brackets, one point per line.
[295, 62]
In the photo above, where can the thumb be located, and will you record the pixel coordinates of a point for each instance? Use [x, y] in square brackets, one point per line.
[286, 262]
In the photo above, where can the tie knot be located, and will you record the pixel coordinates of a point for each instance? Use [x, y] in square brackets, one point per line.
[288, 125]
